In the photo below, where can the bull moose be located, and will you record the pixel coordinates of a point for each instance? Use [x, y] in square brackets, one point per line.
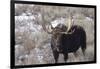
[66, 41]
[70, 42]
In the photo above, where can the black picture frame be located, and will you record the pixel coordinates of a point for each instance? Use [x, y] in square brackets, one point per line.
[12, 34]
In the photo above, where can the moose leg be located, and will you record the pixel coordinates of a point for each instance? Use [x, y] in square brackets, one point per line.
[75, 54]
[56, 55]
[83, 45]
[65, 56]
[83, 50]
[76, 58]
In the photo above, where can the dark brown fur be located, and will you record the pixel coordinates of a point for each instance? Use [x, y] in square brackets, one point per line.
[66, 43]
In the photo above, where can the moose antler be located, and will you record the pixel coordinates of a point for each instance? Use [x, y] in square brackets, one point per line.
[69, 22]
[69, 25]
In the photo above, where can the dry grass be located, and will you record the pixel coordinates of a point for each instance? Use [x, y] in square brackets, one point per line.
[35, 48]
